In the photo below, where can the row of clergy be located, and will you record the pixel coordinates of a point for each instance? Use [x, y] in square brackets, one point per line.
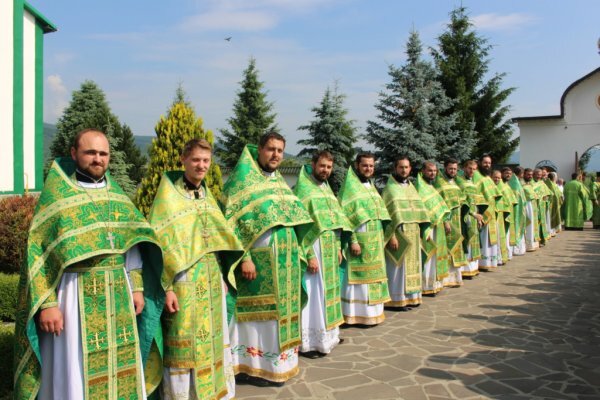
[205, 293]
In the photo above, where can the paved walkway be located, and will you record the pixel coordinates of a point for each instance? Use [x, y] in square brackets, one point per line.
[528, 331]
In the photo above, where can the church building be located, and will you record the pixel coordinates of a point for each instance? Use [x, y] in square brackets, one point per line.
[22, 30]
[559, 141]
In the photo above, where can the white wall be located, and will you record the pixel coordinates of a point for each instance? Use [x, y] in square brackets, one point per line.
[6, 96]
[29, 110]
[558, 139]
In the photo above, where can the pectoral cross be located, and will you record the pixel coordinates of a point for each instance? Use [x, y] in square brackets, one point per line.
[111, 239]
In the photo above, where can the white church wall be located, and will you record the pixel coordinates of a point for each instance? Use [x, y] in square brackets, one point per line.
[6, 96]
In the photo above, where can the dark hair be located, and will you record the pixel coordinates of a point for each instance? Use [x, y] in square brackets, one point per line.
[193, 144]
[450, 161]
[528, 170]
[504, 169]
[364, 154]
[426, 163]
[272, 134]
[552, 175]
[79, 134]
[322, 154]
[469, 162]
[519, 170]
[485, 155]
[574, 175]
[400, 158]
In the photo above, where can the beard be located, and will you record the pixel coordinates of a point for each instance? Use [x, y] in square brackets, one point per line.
[320, 178]
[399, 178]
[485, 171]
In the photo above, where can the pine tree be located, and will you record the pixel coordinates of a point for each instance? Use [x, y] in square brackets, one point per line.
[89, 109]
[253, 116]
[331, 131]
[463, 61]
[172, 133]
[411, 119]
[134, 155]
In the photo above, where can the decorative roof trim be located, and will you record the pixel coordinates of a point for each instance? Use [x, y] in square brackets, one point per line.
[44, 22]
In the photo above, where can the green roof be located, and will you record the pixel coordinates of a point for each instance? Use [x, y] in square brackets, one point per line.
[44, 22]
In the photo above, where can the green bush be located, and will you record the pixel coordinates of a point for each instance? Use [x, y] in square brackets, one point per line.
[7, 344]
[9, 285]
[16, 213]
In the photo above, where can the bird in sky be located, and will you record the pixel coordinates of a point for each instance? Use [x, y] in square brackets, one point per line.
[228, 38]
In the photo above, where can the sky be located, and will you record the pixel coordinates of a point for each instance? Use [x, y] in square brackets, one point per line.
[138, 52]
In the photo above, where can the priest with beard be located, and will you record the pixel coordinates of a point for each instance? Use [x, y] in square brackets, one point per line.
[364, 285]
[532, 230]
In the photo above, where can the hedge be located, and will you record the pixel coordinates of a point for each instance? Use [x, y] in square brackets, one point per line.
[9, 287]
[16, 213]
[7, 344]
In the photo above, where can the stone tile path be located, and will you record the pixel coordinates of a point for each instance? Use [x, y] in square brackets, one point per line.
[528, 331]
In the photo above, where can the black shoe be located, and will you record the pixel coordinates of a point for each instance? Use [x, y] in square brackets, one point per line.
[262, 382]
[341, 340]
[310, 354]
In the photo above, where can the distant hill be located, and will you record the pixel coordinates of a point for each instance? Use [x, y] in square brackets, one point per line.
[143, 142]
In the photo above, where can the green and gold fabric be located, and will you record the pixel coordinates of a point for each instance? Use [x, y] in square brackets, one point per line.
[519, 215]
[254, 204]
[407, 210]
[576, 208]
[544, 194]
[457, 203]
[438, 214]
[531, 195]
[490, 192]
[88, 232]
[328, 217]
[555, 203]
[192, 233]
[595, 197]
[364, 205]
[477, 205]
[504, 212]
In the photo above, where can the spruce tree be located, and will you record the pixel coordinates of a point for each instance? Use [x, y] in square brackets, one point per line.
[89, 109]
[172, 133]
[253, 116]
[412, 118]
[331, 131]
[463, 60]
[134, 155]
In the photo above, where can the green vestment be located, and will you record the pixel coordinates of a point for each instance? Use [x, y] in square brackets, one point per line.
[456, 202]
[505, 210]
[254, 204]
[595, 196]
[438, 214]
[531, 195]
[407, 210]
[364, 205]
[477, 205]
[328, 217]
[544, 195]
[555, 204]
[519, 215]
[88, 231]
[192, 233]
[490, 192]
[576, 208]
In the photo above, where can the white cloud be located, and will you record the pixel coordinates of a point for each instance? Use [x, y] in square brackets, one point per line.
[497, 22]
[243, 15]
[57, 97]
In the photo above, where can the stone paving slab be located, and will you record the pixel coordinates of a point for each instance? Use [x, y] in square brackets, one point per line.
[530, 330]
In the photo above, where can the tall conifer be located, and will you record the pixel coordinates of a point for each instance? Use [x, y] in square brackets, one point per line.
[463, 60]
[411, 118]
[252, 116]
[89, 109]
[331, 131]
[172, 133]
